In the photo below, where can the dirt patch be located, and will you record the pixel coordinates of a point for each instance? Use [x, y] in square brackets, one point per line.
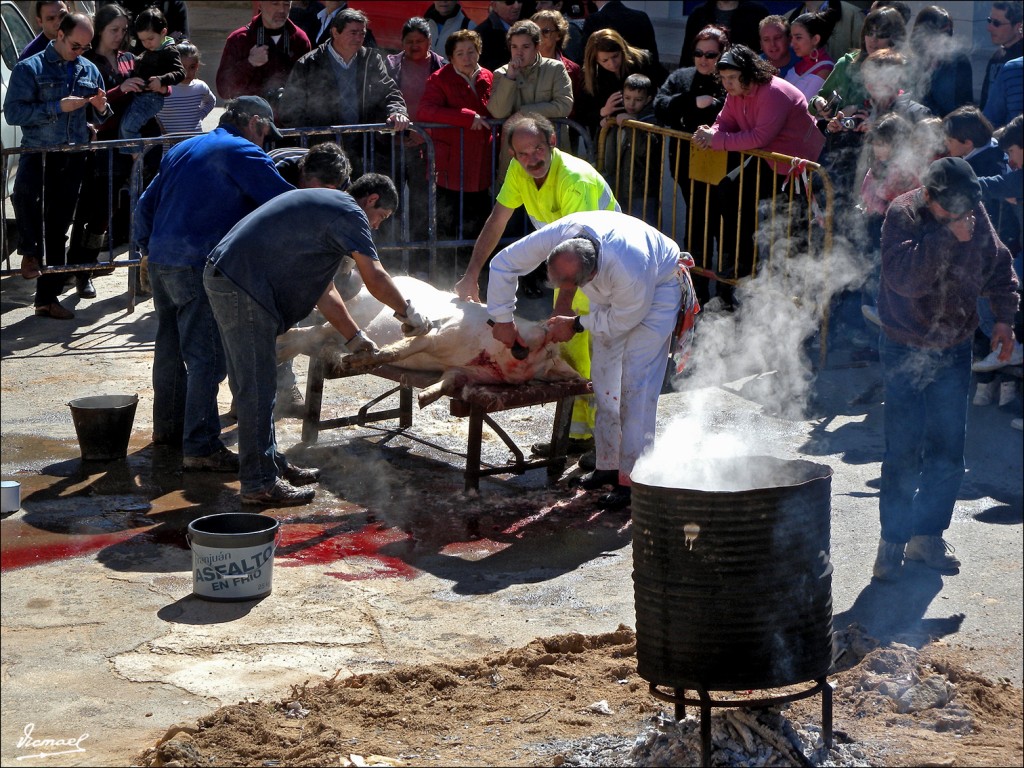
[552, 701]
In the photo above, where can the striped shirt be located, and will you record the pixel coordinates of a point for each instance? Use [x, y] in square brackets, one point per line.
[186, 106]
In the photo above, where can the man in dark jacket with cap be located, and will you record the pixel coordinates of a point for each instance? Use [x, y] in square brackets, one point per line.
[940, 253]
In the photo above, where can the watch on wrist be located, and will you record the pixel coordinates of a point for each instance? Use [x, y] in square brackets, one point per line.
[577, 326]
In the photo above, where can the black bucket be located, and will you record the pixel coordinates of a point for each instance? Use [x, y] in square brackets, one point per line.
[733, 588]
[233, 556]
[104, 425]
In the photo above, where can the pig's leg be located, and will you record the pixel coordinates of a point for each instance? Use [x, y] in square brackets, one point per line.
[305, 341]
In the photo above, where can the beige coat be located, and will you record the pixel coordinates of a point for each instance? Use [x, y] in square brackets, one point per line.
[543, 89]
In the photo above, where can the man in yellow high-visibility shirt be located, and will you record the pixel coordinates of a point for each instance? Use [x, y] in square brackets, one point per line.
[550, 184]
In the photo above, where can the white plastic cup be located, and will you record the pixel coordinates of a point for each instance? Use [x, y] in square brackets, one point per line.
[10, 496]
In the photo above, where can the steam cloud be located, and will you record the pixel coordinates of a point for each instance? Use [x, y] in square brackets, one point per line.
[764, 341]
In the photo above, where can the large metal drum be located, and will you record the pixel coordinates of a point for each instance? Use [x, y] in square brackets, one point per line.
[733, 587]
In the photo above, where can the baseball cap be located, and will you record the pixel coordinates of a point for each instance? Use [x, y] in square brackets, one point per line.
[260, 107]
[952, 183]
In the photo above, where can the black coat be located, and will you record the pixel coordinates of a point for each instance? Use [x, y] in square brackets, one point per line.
[495, 48]
[634, 26]
[311, 95]
[743, 27]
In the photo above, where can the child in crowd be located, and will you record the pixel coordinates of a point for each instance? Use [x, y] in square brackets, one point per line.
[892, 170]
[1006, 187]
[639, 154]
[192, 100]
[808, 34]
[156, 69]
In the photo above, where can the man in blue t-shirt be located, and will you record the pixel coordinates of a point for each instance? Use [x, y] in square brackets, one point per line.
[266, 275]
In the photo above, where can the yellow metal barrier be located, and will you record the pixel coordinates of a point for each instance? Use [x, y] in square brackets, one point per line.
[640, 160]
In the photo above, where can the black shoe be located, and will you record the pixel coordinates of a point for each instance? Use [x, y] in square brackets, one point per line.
[280, 494]
[84, 287]
[577, 445]
[588, 461]
[301, 475]
[620, 498]
[598, 479]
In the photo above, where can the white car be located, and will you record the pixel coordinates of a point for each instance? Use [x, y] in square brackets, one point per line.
[15, 34]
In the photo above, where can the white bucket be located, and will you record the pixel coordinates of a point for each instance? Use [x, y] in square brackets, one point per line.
[10, 496]
[232, 556]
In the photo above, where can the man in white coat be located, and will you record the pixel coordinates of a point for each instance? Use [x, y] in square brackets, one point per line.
[635, 278]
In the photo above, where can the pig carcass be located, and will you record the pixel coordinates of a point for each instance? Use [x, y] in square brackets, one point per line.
[460, 347]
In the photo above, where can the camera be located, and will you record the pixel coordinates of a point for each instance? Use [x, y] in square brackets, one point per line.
[832, 104]
[849, 123]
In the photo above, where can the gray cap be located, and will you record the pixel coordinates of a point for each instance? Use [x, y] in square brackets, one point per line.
[260, 107]
[952, 183]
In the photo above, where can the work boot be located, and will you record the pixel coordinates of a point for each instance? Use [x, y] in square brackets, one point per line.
[984, 393]
[598, 479]
[301, 475]
[221, 460]
[888, 561]
[934, 552]
[280, 494]
[289, 403]
[576, 446]
[56, 310]
[30, 267]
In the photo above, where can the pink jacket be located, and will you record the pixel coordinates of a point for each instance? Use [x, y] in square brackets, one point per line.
[770, 117]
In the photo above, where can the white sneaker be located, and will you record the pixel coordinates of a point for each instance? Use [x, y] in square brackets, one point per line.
[1018, 424]
[992, 362]
[984, 393]
[871, 314]
[1007, 392]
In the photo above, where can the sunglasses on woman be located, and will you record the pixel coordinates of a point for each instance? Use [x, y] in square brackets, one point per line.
[706, 54]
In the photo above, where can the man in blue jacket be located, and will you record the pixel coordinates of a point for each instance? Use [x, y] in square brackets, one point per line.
[205, 186]
[53, 95]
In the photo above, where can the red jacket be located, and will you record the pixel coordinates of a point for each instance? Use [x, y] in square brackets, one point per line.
[237, 77]
[449, 99]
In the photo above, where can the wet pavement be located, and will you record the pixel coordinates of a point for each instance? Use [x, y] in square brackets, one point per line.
[393, 563]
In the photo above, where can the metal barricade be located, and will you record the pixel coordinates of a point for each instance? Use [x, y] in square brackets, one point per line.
[645, 163]
[376, 147]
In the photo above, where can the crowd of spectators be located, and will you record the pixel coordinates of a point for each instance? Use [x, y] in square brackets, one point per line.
[874, 97]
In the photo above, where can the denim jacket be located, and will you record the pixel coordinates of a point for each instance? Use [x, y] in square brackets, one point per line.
[34, 91]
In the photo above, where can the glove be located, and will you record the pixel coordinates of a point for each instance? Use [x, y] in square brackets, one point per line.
[359, 343]
[413, 323]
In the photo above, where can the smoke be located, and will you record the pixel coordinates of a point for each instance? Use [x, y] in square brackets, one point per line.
[760, 348]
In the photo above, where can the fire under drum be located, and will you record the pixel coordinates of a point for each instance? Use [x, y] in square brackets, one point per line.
[733, 585]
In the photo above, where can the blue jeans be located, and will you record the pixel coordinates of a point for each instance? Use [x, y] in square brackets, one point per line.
[188, 362]
[141, 109]
[249, 333]
[926, 395]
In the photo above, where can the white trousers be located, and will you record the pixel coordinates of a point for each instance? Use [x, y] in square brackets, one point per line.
[627, 372]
